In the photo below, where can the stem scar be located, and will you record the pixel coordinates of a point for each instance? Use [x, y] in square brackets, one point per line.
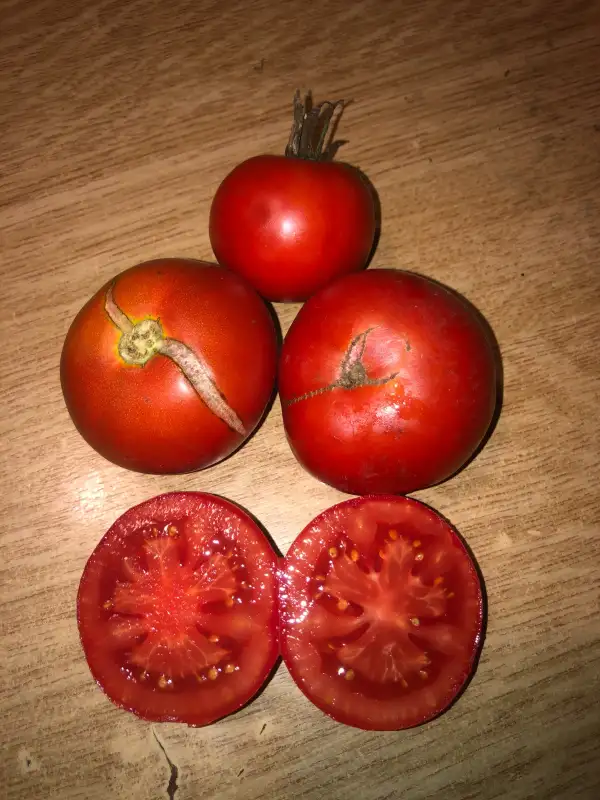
[142, 341]
[353, 374]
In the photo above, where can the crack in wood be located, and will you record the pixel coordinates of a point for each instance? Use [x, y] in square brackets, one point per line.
[172, 785]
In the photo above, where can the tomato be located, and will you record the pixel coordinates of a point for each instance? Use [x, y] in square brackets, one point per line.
[170, 366]
[381, 613]
[291, 224]
[387, 383]
[177, 609]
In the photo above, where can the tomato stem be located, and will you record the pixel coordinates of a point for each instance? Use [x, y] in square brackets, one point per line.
[140, 342]
[310, 126]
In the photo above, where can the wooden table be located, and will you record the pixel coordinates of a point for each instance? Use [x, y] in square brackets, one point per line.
[479, 125]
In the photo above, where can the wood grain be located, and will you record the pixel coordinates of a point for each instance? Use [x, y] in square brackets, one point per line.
[479, 124]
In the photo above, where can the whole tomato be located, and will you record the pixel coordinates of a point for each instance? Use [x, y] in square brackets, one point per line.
[170, 366]
[387, 383]
[291, 224]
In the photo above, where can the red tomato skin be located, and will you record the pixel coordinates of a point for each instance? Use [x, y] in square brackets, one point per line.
[143, 700]
[295, 603]
[291, 225]
[150, 419]
[436, 395]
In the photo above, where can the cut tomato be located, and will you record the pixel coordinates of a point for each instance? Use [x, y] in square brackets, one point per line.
[177, 609]
[381, 613]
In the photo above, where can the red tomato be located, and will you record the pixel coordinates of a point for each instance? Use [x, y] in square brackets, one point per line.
[291, 224]
[177, 609]
[381, 613]
[170, 366]
[387, 383]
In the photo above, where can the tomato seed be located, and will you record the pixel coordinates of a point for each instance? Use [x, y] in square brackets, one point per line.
[229, 602]
[403, 683]
[213, 674]
[333, 552]
[423, 674]
[417, 543]
[349, 676]
[213, 638]
[163, 682]
[393, 534]
[342, 604]
[415, 621]
[107, 605]
[354, 555]
[229, 668]
[419, 557]
[438, 580]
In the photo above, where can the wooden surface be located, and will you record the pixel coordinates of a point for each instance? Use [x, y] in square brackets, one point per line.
[479, 124]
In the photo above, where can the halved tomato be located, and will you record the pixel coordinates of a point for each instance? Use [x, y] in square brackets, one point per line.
[177, 609]
[381, 613]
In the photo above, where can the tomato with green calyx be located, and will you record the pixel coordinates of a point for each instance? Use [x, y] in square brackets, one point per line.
[170, 366]
[381, 613]
[177, 609]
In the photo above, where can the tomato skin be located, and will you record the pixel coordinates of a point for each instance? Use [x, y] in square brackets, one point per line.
[292, 225]
[403, 643]
[149, 418]
[415, 397]
[250, 624]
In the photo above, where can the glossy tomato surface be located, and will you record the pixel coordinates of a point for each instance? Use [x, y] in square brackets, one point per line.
[170, 366]
[177, 609]
[291, 225]
[387, 383]
[381, 613]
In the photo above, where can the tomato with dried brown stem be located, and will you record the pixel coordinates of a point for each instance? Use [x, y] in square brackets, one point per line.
[387, 381]
[291, 224]
[170, 366]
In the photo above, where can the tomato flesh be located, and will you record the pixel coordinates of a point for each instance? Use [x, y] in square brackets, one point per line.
[177, 609]
[381, 613]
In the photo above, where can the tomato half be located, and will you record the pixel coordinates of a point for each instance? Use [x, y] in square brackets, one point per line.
[291, 224]
[387, 383]
[177, 609]
[170, 366]
[381, 613]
